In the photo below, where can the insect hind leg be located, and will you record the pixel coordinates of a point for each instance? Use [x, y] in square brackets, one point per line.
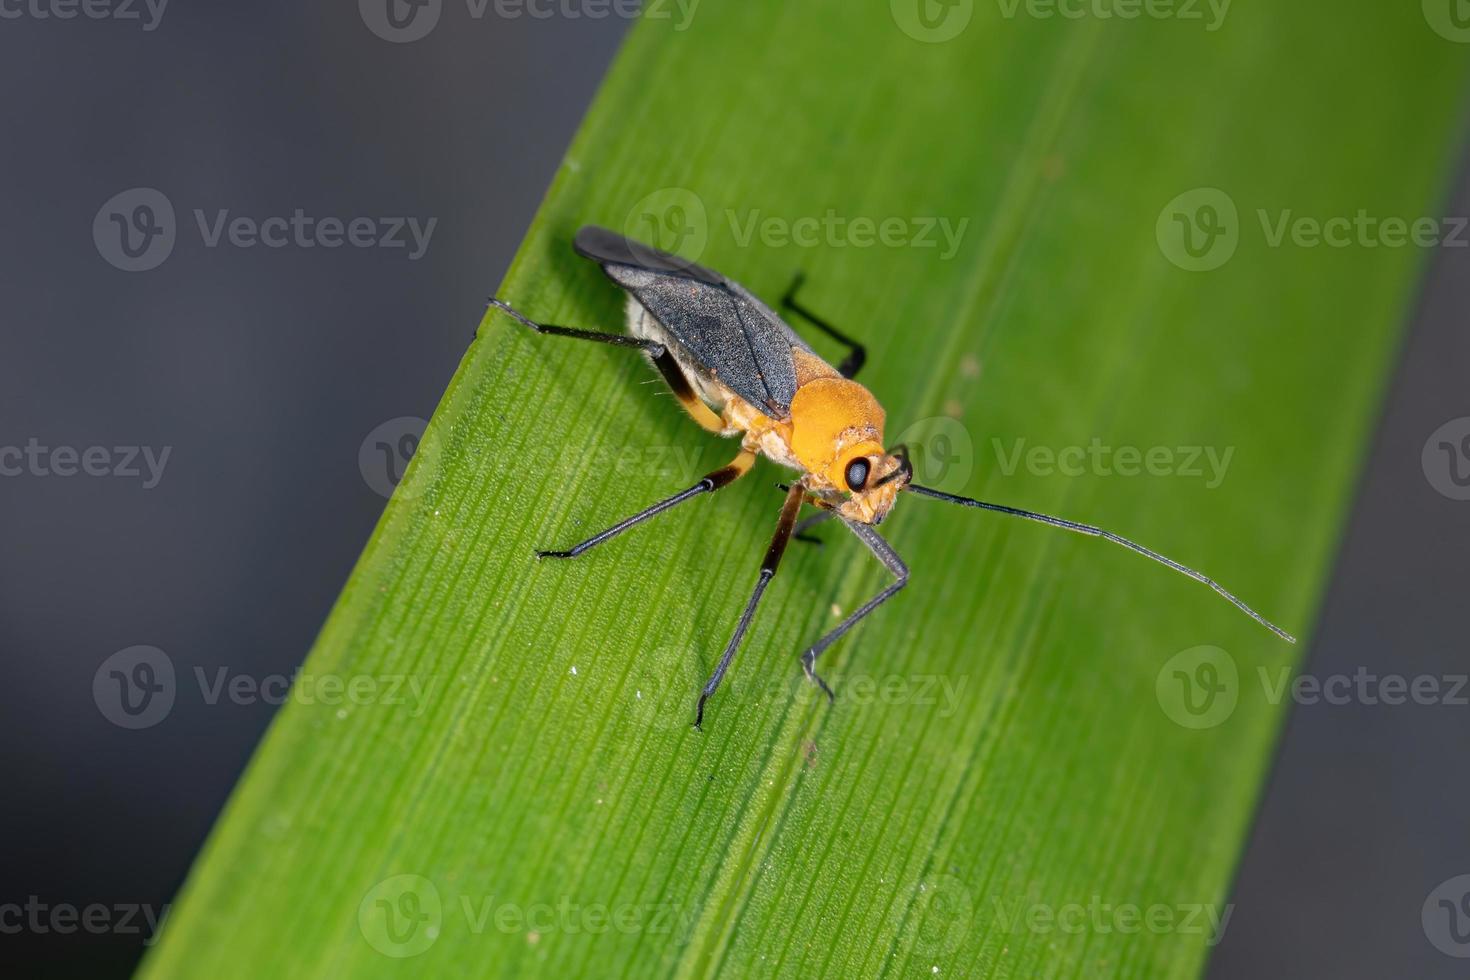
[857, 354]
[651, 347]
[662, 359]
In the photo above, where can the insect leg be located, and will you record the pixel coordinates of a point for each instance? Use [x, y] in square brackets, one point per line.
[807, 523]
[856, 354]
[652, 348]
[885, 554]
[718, 479]
[662, 360]
[772, 560]
[693, 404]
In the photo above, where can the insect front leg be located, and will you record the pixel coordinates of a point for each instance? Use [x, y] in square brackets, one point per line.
[769, 565]
[716, 480]
[856, 354]
[884, 552]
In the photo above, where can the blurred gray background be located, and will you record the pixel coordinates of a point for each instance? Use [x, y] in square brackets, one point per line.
[265, 369]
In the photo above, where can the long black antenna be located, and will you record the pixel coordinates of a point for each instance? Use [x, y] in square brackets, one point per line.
[1098, 532]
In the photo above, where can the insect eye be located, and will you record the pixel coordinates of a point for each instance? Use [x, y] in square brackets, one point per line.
[857, 474]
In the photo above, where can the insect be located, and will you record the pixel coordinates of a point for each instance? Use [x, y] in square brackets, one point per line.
[739, 369]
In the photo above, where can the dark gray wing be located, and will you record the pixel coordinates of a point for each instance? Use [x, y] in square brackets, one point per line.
[608, 247]
[722, 324]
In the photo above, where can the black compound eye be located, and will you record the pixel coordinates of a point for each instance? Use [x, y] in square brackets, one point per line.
[857, 474]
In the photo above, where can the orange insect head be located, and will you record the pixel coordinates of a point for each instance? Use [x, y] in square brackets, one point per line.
[837, 436]
[833, 419]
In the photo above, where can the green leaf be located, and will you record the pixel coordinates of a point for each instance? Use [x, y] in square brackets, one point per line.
[1011, 781]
